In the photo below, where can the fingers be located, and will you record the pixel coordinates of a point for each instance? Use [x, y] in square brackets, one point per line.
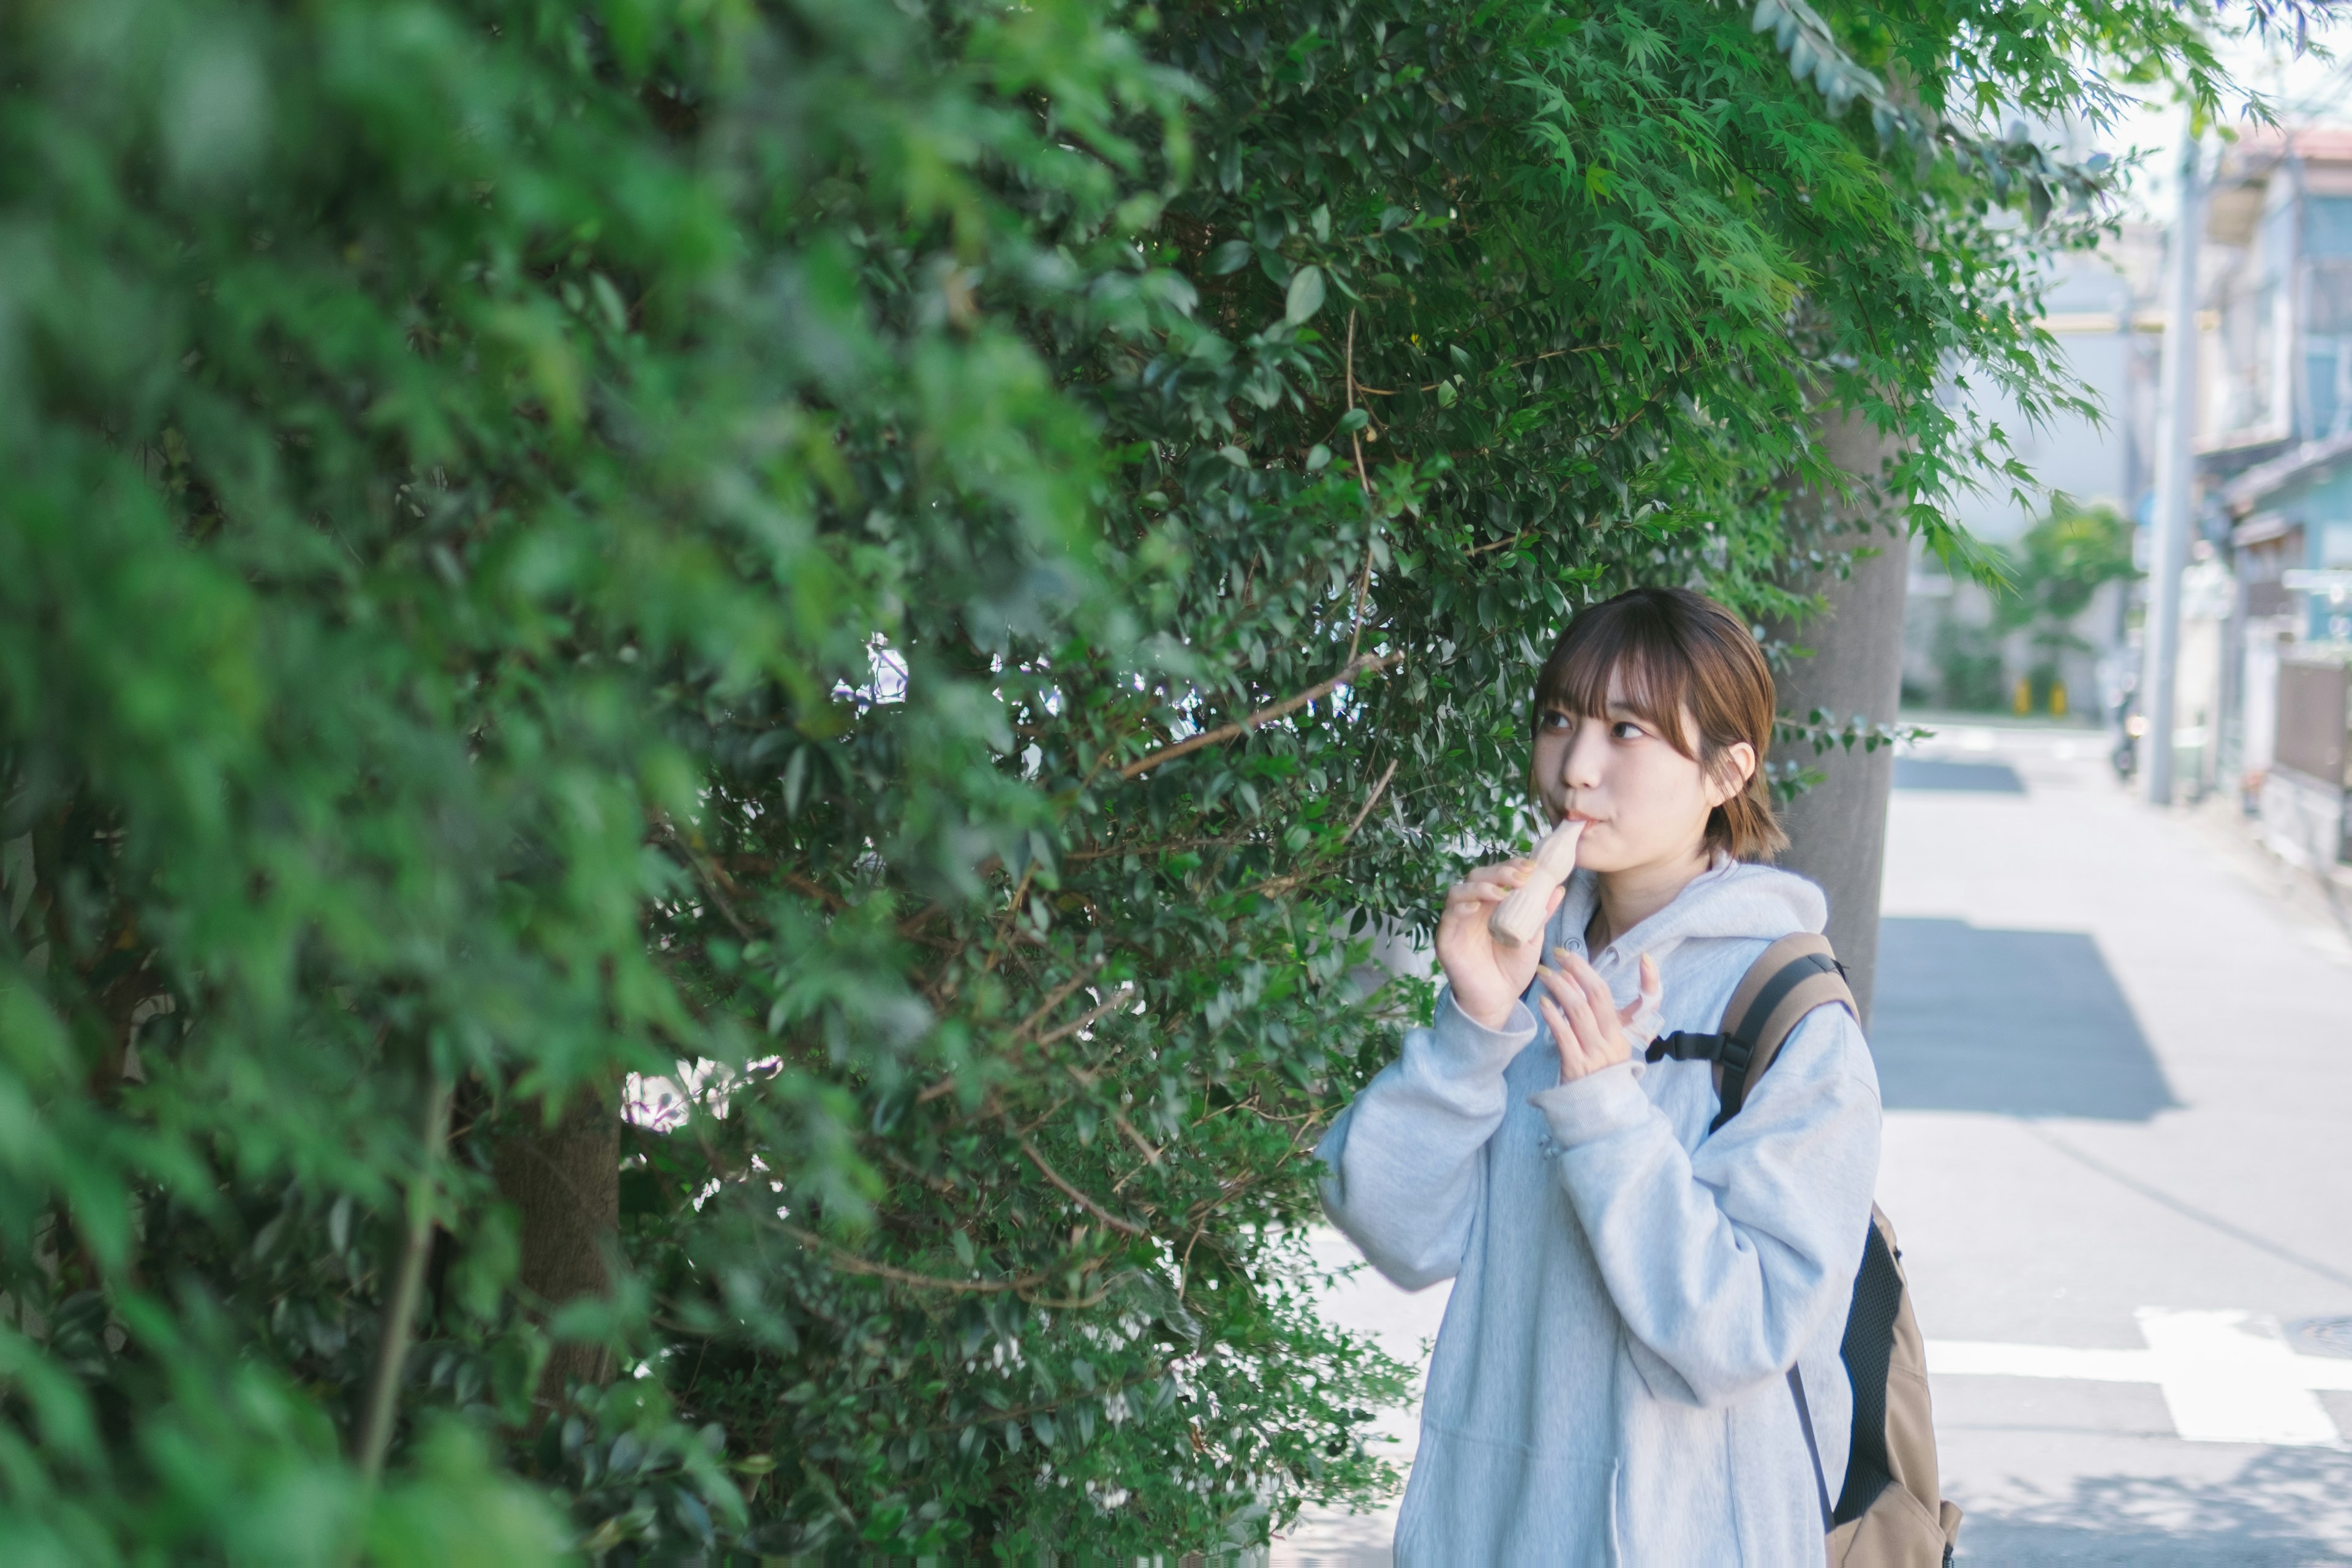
[1579, 1054]
[1553, 1001]
[1640, 1017]
[1570, 968]
[1584, 1018]
[1473, 896]
[1563, 1035]
[1573, 1001]
[1647, 998]
[1587, 980]
[1556, 986]
[1486, 884]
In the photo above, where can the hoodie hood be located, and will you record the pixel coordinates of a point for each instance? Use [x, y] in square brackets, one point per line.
[1730, 899]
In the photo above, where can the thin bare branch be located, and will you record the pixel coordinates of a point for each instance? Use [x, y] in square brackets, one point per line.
[1364, 588]
[1275, 885]
[1020, 1036]
[716, 883]
[1355, 668]
[1370, 800]
[1108, 1003]
[1355, 439]
[1364, 481]
[850, 1263]
[1004, 922]
[1151, 1153]
[400, 1312]
[1127, 1226]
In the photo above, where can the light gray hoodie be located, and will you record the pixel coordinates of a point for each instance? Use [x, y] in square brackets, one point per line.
[1610, 1382]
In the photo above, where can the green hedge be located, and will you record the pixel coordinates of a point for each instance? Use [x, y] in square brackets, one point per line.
[925, 570]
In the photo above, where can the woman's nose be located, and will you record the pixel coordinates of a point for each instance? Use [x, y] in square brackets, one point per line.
[1581, 768]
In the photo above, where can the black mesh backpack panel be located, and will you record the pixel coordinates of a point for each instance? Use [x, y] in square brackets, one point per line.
[1868, 1348]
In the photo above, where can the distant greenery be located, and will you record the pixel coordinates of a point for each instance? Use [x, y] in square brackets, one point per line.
[2046, 581]
[1970, 673]
[921, 572]
[2056, 568]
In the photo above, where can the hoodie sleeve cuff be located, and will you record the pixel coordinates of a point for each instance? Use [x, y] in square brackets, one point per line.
[1593, 1106]
[1462, 1044]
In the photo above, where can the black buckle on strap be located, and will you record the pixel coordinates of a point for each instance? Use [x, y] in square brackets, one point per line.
[1684, 1047]
[1735, 1054]
[1732, 1051]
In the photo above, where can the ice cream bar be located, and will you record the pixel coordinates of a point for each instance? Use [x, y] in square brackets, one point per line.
[1519, 918]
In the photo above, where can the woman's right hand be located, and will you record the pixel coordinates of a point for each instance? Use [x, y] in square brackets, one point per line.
[1487, 978]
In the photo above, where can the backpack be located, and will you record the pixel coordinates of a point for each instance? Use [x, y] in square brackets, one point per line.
[1887, 1513]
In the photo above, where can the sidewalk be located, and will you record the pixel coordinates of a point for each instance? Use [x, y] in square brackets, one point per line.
[2117, 1050]
[2117, 1065]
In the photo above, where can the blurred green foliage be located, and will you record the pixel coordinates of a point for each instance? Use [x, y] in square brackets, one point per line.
[2056, 568]
[928, 576]
[2047, 578]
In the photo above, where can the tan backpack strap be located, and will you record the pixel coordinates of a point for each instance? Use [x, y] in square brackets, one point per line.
[1789, 979]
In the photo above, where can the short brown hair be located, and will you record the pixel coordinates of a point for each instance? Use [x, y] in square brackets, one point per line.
[1680, 653]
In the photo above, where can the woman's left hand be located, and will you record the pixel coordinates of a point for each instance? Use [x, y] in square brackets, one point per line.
[1585, 1022]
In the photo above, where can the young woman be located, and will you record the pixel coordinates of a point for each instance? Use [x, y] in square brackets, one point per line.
[1630, 1290]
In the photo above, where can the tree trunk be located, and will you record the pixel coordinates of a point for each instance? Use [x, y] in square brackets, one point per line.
[1837, 830]
[566, 1179]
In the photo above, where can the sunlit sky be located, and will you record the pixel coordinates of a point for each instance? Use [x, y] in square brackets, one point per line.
[2303, 91]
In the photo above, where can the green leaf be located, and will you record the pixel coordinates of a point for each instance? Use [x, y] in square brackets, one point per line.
[1306, 295]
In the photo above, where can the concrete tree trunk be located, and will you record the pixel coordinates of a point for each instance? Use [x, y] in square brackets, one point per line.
[1837, 830]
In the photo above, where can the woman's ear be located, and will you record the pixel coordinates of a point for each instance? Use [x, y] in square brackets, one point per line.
[1733, 769]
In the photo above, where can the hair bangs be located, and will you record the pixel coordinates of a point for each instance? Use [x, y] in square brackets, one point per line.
[1648, 664]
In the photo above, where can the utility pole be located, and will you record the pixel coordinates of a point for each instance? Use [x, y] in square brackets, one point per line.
[2176, 467]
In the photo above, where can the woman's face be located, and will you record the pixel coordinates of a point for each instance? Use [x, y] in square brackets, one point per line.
[1643, 802]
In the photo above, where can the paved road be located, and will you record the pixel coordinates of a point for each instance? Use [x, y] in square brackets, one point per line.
[2116, 1050]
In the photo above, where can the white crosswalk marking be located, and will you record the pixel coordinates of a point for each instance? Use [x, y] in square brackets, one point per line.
[2227, 1377]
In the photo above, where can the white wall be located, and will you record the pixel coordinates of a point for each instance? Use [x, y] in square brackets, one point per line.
[2089, 310]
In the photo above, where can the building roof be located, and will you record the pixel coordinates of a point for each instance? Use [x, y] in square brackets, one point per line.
[2262, 527]
[2258, 152]
[2242, 177]
[2246, 492]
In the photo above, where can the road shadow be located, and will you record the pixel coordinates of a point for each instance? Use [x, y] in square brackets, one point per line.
[2020, 1023]
[1937, 772]
[2288, 1507]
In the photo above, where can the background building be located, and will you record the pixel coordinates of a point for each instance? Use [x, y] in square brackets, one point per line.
[2278, 473]
[2266, 633]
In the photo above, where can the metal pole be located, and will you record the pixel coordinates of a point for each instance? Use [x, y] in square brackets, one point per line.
[2176, 466]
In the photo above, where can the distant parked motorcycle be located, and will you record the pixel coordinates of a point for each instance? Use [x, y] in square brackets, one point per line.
[2130, 725]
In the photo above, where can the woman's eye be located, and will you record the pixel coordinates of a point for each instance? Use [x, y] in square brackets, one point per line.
[1625, 729]
[1555, 721]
